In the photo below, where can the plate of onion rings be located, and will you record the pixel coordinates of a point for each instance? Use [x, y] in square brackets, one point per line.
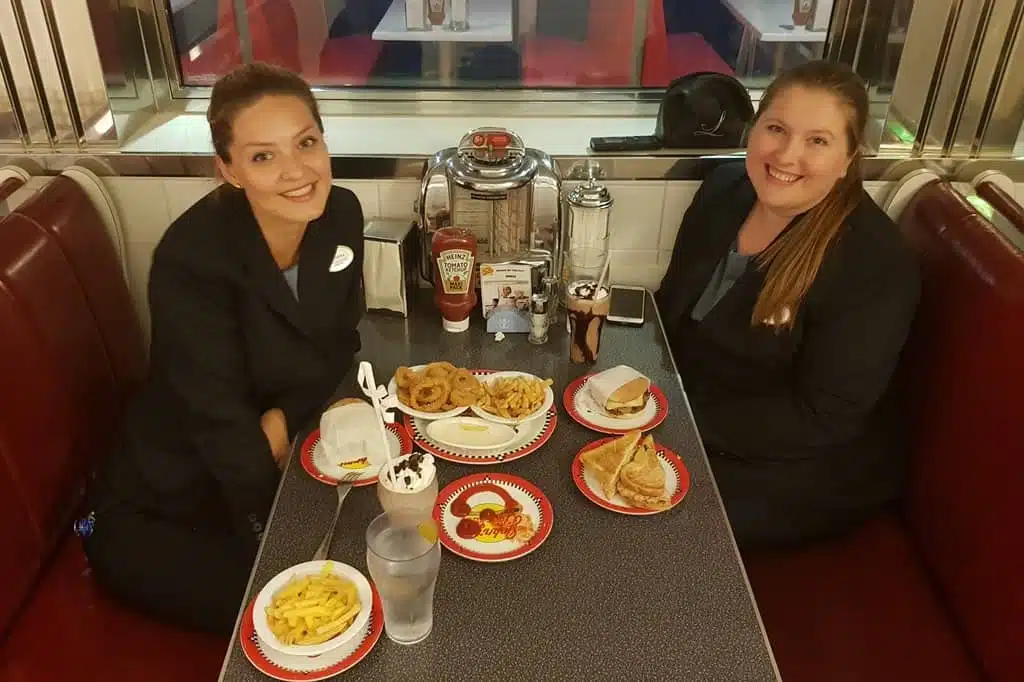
[438, 390]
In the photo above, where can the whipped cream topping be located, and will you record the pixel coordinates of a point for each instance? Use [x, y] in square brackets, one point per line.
[411, 473]
[587, 290]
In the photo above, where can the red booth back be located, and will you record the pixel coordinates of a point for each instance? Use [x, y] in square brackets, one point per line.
[965, 364]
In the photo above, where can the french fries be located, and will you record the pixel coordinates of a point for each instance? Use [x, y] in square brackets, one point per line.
[313, 609]
[513, 397]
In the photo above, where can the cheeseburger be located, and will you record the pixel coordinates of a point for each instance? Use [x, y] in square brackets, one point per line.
[622, 392]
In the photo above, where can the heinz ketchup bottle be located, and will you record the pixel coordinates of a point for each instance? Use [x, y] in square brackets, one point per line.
[453, 252]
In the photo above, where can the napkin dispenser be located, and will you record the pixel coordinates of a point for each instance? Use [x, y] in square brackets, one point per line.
[389, 264]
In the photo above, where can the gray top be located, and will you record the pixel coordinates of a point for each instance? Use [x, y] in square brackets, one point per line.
[291, 275]
[729, 270]
[606, 597]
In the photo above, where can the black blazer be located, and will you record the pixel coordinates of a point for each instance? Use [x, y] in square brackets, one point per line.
[813, 394]
[230, 341]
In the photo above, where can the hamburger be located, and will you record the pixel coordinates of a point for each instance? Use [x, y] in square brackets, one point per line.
[621, 392]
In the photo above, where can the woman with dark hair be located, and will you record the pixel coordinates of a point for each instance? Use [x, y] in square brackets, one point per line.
[787, 302]
[254, 295]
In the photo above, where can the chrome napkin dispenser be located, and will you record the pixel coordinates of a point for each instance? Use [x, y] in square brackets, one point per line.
[389, 264]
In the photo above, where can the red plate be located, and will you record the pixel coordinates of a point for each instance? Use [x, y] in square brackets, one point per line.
[262, 661]
[534, 434]
[483, 501]
[676, 474]
[611, 425]
[368, 472]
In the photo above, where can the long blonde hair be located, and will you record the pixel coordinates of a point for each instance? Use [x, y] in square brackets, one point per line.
[792, 261]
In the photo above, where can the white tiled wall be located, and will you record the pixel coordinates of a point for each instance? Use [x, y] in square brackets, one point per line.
[645, 219]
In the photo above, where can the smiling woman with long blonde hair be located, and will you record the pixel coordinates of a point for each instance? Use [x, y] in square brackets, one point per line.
[787, 302]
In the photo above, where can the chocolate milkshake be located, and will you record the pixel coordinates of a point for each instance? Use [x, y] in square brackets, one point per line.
[587, 309]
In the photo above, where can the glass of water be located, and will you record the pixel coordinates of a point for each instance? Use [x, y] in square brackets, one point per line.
[403, 555]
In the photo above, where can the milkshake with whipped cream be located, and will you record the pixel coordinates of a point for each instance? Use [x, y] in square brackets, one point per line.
[587, 307]
[410, 485]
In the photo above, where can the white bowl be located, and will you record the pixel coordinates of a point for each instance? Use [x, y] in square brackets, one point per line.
[266, 597]
[392, 401]
[549, 400]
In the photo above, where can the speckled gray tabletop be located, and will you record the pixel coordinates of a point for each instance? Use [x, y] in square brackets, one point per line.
[606, 597]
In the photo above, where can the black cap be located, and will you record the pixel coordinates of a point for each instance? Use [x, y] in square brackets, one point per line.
[704, 110]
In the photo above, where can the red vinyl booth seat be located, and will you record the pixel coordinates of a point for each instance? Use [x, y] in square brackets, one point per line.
[934, 593]
[1003, 202]
[70, 353]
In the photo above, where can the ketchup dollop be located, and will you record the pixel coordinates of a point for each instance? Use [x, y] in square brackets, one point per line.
[453, 251]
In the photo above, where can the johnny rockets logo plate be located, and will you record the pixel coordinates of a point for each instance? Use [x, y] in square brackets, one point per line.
[493, 517]
[585, 410]
[677, 481]
[317, 465]
[310, 668]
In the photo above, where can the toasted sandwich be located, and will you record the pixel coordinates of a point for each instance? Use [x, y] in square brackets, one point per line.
[641, 480]
[606, 461]
[621, 392]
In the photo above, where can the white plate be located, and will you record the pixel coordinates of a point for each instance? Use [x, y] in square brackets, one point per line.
[530, 436]
[516, 536]
[677, 482]
[266, 596]
[549, 400]
[392, 401]
[314, 458]
[471, 433]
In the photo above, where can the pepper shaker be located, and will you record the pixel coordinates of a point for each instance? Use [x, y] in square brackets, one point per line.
[539, 321]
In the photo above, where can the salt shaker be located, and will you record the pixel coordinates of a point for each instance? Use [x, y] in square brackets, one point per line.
[539, 320]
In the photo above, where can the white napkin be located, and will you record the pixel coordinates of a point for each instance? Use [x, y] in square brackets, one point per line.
[376, 394]
[340, 434]
[382, 272]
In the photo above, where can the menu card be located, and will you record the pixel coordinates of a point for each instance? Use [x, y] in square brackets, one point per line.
[505, 291]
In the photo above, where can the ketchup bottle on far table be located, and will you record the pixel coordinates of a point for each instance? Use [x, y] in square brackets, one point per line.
[453, 252]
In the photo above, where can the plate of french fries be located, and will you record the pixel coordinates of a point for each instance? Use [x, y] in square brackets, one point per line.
[312, 608]
[513, 397]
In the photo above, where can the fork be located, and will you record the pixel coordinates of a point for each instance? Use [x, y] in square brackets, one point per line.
[344, 485]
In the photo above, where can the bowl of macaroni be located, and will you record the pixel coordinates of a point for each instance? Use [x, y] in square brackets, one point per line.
[312, 608]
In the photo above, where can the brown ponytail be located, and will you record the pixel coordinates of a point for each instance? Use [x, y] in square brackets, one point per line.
[793, 260]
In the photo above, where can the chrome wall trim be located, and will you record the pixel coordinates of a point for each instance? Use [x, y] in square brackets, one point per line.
[77, 56]
[958, 66]
[994, 36]
[23, 86]
[47, 68]
[875, 168]
[12, 125]
[1003, 121]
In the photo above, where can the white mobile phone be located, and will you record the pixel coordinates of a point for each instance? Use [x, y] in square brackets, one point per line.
[627, 305]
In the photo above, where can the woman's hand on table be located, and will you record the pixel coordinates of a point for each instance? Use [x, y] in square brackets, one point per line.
[275, 428]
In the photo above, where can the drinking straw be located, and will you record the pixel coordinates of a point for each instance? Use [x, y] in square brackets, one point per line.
[603, 277]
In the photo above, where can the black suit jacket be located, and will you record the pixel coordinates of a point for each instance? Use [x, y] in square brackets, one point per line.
[811, 397]
[230, 341]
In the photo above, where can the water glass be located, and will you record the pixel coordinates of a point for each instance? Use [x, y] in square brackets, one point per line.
[403, 556]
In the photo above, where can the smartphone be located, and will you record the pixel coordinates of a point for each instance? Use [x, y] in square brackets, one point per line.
[627, 305]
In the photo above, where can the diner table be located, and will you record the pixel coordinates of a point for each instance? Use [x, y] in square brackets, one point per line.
[605, 597]
[490, 21]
